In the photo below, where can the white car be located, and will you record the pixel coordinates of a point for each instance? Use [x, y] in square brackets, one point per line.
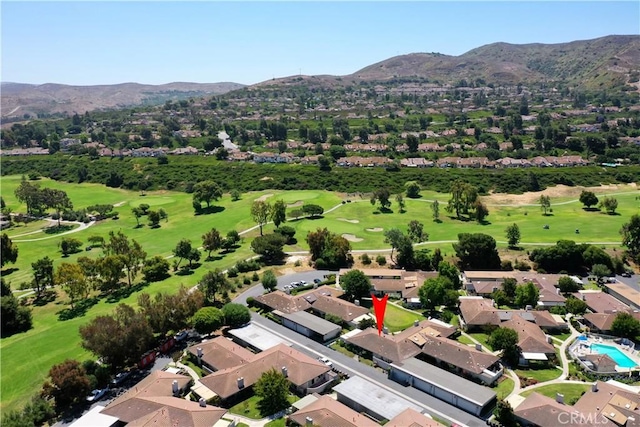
[325, 361]
[295, 284]
[302, 283]
[96, 395]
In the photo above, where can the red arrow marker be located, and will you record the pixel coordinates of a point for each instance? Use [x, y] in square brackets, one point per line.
[379, 306]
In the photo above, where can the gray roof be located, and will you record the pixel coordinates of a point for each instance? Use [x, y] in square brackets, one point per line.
[257, 337]
[374, 398]
[445, 380]
[311, 322]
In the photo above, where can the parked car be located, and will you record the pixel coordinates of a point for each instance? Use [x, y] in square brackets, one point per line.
[325, 361]
[295, 284]
[302, 283]
[626, 274]
[96, 395]
[181, 336]
[317, 281]
[120, 377]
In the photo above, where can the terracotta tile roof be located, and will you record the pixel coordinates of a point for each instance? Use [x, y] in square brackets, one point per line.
[155, 393]
[221, 353]
[300, 369]
[542, 410]
[412, 418]
[384, 345]
[459, 355]
[327, 412]
[530, 336]
[278, 300]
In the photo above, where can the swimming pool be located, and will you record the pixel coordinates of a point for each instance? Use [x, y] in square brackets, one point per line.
[616, 354]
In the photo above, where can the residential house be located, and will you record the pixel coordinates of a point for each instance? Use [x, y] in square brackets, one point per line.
[602, 322]
[600, 302]
[310, 326]
[156, 401]
[348, 312]
[239, 156]
[285, 303]
[411, 417]
[416, 162]
[309, 160]
[624, 293]
[533, 343]
[540, 410]
[391, 282]
[301, 370]
[328, 412]
[384, 348]
[219, 353]
[188, 150]
[601, 363]
[268, 157]
[357, 161]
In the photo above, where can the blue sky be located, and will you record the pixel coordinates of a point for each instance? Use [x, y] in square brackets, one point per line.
[86, 43]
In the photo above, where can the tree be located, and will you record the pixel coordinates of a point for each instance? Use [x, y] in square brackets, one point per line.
[71, 278]
[120, 339]
[69, 245]
[575, 306]
[509, 286]
[595, 255]
[30, 195]
[317, 241]
[213, 282]
[182, 251]
[111, 270]
[8, 251]
[154, 219]
[481, 211]
[206, 191]
[15, 317]
[278, 212]
[236, 315]
[68, 383]
[394, 237]
[527, 294]
[463, 196]
[56, 199]
[327, 249]
[400, 201]
[610, 204]
[90, 270]
[270, 246]
[545, 203]
[208, 319]
[432, 292]
[600, 271]
[137, 212]
[155, 269]
[435, 208]
[273, 390]
[382, 196]
[96, 240]
[437, 258]
[504, 414]
[287, 232]
[416, 233]
[630, 236]
[194, 256]
[505, 339]
[477, 252]
[235, 195]
[626, 326]
[355, 284]
[513, 235]
[170, 312]
[588, 198]
[260, 211]
[412, 189]
[566, 285]
[450, 272]
[269, 280]
[211, 241]
[130, 252]
[312, 210]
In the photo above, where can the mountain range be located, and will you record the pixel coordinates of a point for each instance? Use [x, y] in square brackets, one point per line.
[596, 64]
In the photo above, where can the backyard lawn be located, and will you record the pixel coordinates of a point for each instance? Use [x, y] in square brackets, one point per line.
[572, 392]
[250, 407]
[541, 375]
[398, 319]
[504, 387]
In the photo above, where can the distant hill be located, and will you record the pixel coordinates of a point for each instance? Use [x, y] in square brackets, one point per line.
[19, 99]
[601, 62]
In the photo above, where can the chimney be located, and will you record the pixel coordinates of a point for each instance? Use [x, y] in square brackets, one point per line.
[478, 346]
[202, 402]
[560, 398]
[385, 330]
[285, 371]
[357, 302]
[549, 339]
[557, 291]
[199, 351]
[594, 387]
[241, 382]
[584, 298]
[174, 387]
[309, 421]
[416, 322]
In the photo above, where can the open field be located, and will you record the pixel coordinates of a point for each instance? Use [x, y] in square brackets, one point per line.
[53, 340]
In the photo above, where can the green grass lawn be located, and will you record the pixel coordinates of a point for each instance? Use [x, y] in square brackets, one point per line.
[280, 422]
[541, 375]
[249, 407]
[464, 340]
[398, 319]
[572, 392]
[27, 357]
[481, 338]
[504, 387]
[562, 337]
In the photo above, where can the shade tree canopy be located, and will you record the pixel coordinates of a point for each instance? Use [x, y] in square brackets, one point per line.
[355, 284]
[477, 252]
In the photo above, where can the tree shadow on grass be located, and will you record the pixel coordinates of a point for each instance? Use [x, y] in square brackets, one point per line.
[214, 258]
[586, 209]
[484, 222]
[124, 292]
[8, 271]
[56, 229]
[210, 210]
[45, 298]
[184, 272]
[612, 213]
[79, 310]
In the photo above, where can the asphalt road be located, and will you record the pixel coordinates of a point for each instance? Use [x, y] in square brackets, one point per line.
[632, 282]
[307, 276]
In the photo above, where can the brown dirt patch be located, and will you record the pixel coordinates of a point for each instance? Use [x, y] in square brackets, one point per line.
[557, 191]
[263, 198]
[352, 238]
[296, 204]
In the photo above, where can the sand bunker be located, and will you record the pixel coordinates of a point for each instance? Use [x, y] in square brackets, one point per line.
[375, 230]
[263, 198]
[533, 198]
[352, 221]
[296, 204]
[352, 238]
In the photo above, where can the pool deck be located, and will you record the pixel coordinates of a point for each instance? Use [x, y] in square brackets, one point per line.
[582, 348]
